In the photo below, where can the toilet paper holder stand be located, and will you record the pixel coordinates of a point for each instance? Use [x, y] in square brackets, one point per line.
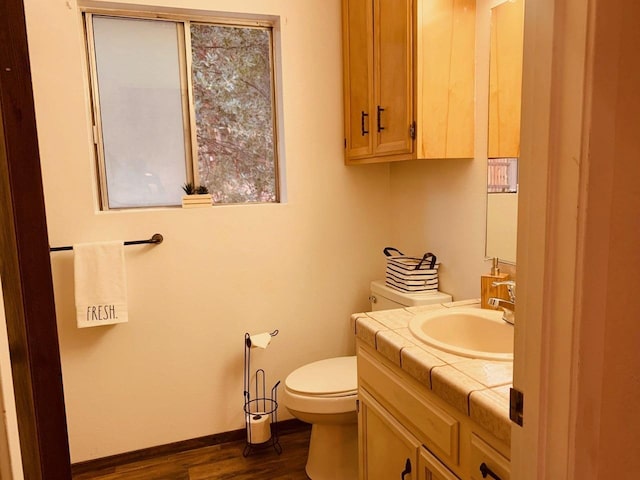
[259, 404]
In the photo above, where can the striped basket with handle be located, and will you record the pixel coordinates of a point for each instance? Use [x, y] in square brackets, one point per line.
[411, 274]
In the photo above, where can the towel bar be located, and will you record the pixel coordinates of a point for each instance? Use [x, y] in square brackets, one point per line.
[155, 239]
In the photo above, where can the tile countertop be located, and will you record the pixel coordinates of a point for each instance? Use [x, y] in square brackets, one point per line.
[477, 388]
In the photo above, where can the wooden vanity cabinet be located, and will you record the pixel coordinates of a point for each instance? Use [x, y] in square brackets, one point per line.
[389, 451]
[407, 432]
[484, 456]
[408, 79]
[430, 468]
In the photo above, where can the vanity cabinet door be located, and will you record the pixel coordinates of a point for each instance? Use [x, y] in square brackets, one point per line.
[430, 468]
[487, 462]
[387, 450]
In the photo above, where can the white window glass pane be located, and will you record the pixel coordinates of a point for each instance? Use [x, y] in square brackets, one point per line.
[141, 111]
[232, 76]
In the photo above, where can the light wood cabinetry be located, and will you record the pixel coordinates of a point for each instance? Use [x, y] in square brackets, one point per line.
[430, 468]
[388, 449]
[378, 79]
[357, 40]
[407, 432]
[505, 79]
[393, 80]
[445, 60]
[485, 458]
[408, 79]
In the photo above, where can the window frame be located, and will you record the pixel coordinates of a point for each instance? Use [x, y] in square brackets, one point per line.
[183, 23]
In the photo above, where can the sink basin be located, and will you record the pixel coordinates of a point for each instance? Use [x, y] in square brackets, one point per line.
[468, 332]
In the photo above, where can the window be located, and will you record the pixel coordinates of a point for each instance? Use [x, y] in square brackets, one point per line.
[177, 101]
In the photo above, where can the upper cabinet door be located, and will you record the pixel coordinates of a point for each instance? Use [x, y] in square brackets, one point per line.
[445, 41]
[358, 77]
[408, 61]
[393, 76]
[505, 79]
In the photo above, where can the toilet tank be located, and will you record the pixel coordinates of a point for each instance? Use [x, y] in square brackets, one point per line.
[385, 298]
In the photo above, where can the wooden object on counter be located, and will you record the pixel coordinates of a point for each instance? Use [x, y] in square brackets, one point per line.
[487, 290]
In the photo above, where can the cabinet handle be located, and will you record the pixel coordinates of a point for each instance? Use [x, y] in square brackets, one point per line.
[363, 131]
[380, 127]
[407, 469]
[486, 471]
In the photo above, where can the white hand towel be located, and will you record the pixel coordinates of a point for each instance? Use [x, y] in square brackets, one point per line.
[100, 284]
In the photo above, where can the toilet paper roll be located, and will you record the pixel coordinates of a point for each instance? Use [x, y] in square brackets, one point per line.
[259, 427]
[259, 340]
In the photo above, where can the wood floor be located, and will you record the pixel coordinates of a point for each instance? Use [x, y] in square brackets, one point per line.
[218, 462]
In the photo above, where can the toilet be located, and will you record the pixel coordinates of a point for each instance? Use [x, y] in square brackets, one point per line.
[324, 393]
[384, 297]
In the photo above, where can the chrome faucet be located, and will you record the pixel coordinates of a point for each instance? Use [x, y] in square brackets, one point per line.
[507, 306]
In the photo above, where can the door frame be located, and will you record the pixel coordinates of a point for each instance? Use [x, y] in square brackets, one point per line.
[554, 126]
[552, 119]
[25, 265]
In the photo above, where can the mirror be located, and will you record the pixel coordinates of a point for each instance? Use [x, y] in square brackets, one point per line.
[505, 92]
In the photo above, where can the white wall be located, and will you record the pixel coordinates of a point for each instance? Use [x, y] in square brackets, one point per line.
[439, 206]
[174, 371]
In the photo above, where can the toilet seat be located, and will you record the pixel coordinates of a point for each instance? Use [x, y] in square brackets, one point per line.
[327, 386]
[331, 376]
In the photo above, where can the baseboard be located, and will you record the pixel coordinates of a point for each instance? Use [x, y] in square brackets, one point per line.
[284, 427]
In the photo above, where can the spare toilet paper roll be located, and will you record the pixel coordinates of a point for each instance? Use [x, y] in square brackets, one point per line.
[260, 340]
[260, 428]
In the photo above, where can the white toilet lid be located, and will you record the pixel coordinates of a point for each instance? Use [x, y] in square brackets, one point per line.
[330, 376]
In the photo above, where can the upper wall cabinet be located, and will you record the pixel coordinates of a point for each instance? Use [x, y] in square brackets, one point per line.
[446, 60]
[378, 79]
[408, 79]
[505, 79]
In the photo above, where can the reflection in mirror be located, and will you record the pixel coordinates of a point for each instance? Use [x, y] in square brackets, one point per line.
[502, 208]
[505, 91]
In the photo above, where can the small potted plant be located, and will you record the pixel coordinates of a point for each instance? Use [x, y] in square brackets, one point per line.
[195, 196]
